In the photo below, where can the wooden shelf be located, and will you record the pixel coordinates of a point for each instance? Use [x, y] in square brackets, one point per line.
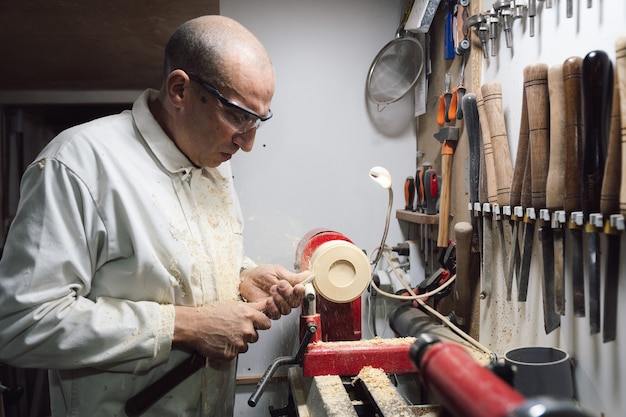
[416, 217]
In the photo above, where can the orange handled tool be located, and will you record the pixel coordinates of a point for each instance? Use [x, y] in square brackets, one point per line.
[444, 102]
[456, 111]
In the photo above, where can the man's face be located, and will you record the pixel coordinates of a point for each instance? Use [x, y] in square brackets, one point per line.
[218, 123]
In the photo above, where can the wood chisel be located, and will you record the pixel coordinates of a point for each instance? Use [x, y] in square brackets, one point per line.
[537, 99]
[472, 128]
[597, 87]
[572, 199]
[516, 197]
[526, 202]
[555, 183]
[503, 171]
[492, 97]
[488, 196]
[610, 207]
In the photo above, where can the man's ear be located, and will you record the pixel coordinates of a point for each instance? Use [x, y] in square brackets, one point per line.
[176, 85]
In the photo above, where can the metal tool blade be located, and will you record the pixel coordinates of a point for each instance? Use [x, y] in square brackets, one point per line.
[527, 249]
[611, 288]
[551, 319]
[514, 260]
[578, 278]
[597, 88]
[593, 249]
[559, 270]
[487, 257]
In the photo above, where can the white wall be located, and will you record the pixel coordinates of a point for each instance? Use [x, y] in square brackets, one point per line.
[309, 167]
[601, 368]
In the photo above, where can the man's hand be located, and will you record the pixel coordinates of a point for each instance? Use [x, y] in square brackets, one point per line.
[221, 330]
[276, 286]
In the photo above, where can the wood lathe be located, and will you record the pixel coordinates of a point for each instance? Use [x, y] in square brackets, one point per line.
[336, 374]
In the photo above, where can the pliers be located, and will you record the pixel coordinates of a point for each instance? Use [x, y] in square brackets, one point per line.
[444, 102]
[455, 111]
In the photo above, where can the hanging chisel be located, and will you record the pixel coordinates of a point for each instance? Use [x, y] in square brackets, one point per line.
[597, 87]
[529, 224]
[610, 207]
[503, 171]
[472, 128]
[537, 99]
[492, 96]
[555, 183]
[491, 196]
[516, 197]
[572, 199]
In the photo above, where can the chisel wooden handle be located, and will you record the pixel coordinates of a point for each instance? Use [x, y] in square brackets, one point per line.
[555, 182]
[492, 96]
[527, 195]
[538, 100]
[620, 65]
[520, 157]
[597, 88]
[490, 174]
[463, 307]
[572, 80]
[609, 197]
[444, 198]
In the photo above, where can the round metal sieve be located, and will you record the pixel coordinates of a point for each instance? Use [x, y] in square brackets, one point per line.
[395, 70]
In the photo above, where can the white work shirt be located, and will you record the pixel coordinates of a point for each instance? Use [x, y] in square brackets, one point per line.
[115, 226]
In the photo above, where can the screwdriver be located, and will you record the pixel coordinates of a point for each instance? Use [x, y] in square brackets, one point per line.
[409, 193]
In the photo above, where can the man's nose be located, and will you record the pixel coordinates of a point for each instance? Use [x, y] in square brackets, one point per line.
[245, 141]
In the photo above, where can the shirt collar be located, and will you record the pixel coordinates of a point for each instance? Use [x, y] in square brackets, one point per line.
[162, 146]
[157, 140]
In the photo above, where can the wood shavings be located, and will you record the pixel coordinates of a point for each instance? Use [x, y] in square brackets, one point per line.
[384, 393]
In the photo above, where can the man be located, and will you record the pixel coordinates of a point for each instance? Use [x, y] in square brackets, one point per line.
[126, 252]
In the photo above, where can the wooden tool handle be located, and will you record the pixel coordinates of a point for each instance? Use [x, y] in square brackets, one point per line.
[492, 96]
[520, 157]
[572, 79]
[620, 66]
[463, 289]
[472, 128]
[444, 199]
[527, 195]
[597, 89]
[555, 182]
[609, 197]
[487, 151]
[538, 100]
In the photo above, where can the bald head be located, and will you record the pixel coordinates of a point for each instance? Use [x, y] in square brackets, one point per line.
[218, 49]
